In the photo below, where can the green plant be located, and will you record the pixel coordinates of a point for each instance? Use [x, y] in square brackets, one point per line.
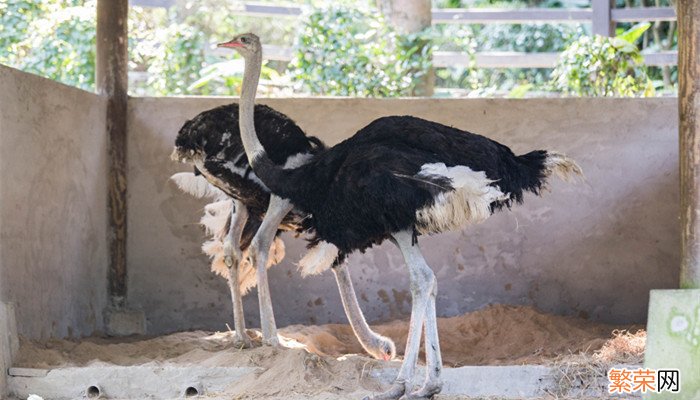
[178, 59]
[601, 66]
[226, 77]
[59, 42]
[350, 52]
[15, 18]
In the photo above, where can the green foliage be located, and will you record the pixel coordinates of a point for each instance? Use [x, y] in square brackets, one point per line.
[349, 52]
[54, 39]
[601, 66]
[15, 17]
[226, 77]
[178, 60]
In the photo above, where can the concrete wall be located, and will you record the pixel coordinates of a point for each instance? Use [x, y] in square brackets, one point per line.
[52, 205]
[592, 250]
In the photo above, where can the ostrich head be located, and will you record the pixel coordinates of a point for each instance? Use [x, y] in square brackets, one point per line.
[385, 348]
[246, 44]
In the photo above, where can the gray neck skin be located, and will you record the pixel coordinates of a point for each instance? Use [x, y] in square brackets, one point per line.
[251, 76]
[277, 179]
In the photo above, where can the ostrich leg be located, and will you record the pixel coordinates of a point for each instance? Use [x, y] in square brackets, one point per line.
[433, 357]
[232, 259]
[258, 253]
[377, 345]
[422, 280]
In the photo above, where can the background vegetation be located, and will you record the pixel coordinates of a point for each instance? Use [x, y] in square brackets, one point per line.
[341, 48]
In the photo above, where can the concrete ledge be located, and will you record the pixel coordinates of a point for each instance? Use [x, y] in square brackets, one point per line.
[135, 382]
[172, 381]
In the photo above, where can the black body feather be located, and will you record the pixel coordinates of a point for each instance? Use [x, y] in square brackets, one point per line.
[215, 135]
[364, 189]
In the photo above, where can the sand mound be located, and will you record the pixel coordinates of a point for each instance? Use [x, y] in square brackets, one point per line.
[495, 335]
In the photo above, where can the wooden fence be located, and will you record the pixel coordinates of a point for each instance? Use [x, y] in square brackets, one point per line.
[601, 15]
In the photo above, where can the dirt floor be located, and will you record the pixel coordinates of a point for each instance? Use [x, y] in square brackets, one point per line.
[327, 361]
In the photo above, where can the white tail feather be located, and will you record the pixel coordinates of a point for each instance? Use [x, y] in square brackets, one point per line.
[562, 166]
[196, 185]
[247, 278]
[318, 259]
[469, 202]
[215, 220]
[216, 217]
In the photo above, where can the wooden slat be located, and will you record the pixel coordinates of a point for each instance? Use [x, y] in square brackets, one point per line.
[488, 59]
[602, 23]
[270, 10]
[152, 3]
[661, 58]
[482, 15]
[504, 16]
[643, 14]
[528, 60]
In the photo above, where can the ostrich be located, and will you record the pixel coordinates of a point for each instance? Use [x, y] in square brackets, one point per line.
[397, 178]
[244, 219]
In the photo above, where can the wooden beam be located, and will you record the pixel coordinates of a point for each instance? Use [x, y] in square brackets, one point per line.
[643, 14]
[661, 58]
[689, 131]
[153, 3]
[267, 10]
[602, 18]
[505, 16]
[488, 59]
[508, 59]
[112, 82]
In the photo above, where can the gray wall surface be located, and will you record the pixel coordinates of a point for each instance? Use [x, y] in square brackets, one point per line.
[52, 205]
[592, 249]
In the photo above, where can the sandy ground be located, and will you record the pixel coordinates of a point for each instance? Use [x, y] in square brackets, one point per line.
[326, 362]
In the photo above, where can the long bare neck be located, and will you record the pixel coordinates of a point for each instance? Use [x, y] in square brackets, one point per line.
[273, 176]
[251, 76]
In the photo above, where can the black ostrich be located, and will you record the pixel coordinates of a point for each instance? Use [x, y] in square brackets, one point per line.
[396, 179]
[244, 220]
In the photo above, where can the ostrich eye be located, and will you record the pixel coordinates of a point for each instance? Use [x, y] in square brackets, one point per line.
[244, 39]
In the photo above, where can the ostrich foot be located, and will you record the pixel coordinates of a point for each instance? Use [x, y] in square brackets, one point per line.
[242, 340]
[272, 341]
[427, 391]
[395, 391]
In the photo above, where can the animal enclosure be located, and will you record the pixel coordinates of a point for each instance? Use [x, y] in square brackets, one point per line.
[592, 250]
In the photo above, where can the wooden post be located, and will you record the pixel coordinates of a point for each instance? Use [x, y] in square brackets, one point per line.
[411, 16]
[602, 18]
[689, 140]
[112, 82]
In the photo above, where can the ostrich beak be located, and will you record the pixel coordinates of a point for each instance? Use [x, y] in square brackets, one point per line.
[231, 44]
